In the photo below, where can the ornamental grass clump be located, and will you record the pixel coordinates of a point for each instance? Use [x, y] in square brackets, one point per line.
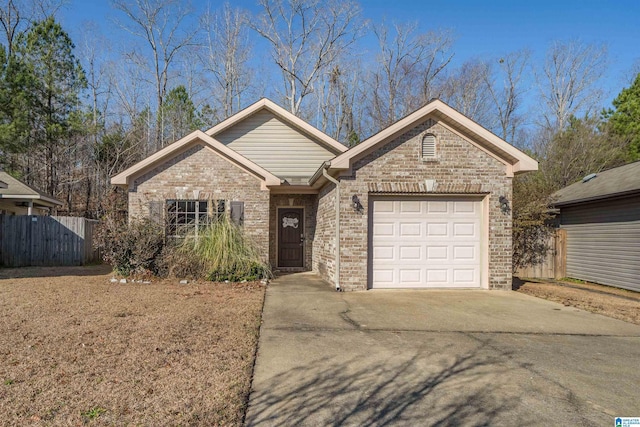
[226, 253]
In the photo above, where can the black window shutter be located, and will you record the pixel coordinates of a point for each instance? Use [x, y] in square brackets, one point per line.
[156, 211]
[237, 212]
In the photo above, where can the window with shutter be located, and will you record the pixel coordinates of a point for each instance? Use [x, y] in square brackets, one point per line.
[429, 147]
[237, 212]
[187, 217]
[156, 211]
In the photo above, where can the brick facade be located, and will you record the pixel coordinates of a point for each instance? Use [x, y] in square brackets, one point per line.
[460, 167]
[324, 246]
[200, 174]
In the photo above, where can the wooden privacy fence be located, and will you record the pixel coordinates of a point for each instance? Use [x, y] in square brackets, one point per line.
[46, 240]
[554, 264]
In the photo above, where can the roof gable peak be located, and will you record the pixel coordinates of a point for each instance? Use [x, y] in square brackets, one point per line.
[283, 115]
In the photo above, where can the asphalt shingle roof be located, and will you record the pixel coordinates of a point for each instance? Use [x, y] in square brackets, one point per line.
[617, 181]
[15, 187]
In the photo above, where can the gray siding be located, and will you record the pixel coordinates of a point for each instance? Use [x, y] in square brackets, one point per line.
[603, 242]
[276, 146]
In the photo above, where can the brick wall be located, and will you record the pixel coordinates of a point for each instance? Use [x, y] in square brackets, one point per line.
[458, 167]
[324, 260]
[200, 174]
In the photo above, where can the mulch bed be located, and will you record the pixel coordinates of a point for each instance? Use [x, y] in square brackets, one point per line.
[76, 349]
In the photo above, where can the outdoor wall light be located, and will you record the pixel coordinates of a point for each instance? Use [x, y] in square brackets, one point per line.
[357, 206]
[504, 205]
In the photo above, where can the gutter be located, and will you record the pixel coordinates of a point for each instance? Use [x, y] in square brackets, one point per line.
[337, 183]
[318, 173]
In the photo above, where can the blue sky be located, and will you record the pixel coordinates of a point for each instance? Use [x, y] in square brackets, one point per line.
[482, 28]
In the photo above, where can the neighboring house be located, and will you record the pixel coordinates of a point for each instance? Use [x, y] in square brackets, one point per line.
[423, 203]
[18, 198]
[601, 216]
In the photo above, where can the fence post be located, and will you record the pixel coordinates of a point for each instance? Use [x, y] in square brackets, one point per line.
[561, 253]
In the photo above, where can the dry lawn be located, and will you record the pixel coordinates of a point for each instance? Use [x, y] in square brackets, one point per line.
[608, 301]
[78, 350]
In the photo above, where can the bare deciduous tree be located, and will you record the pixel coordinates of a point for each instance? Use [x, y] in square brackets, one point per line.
[506, 89]
[161, 24]
[466, 91]
[306, 36]
[568, 81]
[226, 57]
[338, 101]
[407, 60]
[15, 15]
[11, 20]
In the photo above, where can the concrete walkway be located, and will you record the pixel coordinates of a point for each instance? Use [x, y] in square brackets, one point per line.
[437, 358]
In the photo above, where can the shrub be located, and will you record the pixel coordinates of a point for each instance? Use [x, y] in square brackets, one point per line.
[225, 252]
[132, 248]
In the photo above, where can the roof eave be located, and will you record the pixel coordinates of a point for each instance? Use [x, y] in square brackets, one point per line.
[597, 198]
[48, 201]
[517, 162]
[124, 178]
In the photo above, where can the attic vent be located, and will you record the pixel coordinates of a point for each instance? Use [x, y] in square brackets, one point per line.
[589, 177]
[429, 147]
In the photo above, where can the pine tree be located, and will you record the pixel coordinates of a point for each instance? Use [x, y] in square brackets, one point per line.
[48, 81]
[624, 120]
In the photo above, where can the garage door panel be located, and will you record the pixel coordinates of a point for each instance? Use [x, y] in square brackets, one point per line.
[464, 207]
[411, 276]
[383, 229]
[383, 276]
[383, 253]
[437, 253]
[437, 207]
[426, 243]
[464, 276]
[464, 229]
[410, 207]
[436, 276]
[464, 253]
[410, 229]
[410, 253]
[437, 229]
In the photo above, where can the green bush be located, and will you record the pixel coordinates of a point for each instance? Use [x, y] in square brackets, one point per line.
[225, 252]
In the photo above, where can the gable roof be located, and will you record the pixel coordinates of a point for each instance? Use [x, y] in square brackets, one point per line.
[515, 160]
[16, 189]
[125, 177]
[615, 182]
[284, 115]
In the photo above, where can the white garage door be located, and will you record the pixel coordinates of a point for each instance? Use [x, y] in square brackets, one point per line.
[426, 243]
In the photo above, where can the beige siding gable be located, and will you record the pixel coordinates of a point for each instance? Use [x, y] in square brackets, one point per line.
[275, 145]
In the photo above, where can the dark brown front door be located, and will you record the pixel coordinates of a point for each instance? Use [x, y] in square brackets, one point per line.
[290, 237]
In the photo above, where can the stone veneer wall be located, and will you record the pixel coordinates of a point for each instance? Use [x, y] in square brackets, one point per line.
[200, 174]
[307, 201]
[324, 260]
[459, 166]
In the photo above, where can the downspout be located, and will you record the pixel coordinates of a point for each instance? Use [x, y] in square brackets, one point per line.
[337, 183]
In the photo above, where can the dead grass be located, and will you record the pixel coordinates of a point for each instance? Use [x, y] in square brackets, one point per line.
[78, 350]
[612, 302]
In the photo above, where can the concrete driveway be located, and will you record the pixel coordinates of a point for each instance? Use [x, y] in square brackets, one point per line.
[437, 358]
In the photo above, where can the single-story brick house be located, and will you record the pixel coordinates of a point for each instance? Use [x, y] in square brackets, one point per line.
[18, 198]
[422, 203]
[601, 217]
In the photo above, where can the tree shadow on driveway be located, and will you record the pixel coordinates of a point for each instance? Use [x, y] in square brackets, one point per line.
[420, 389]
